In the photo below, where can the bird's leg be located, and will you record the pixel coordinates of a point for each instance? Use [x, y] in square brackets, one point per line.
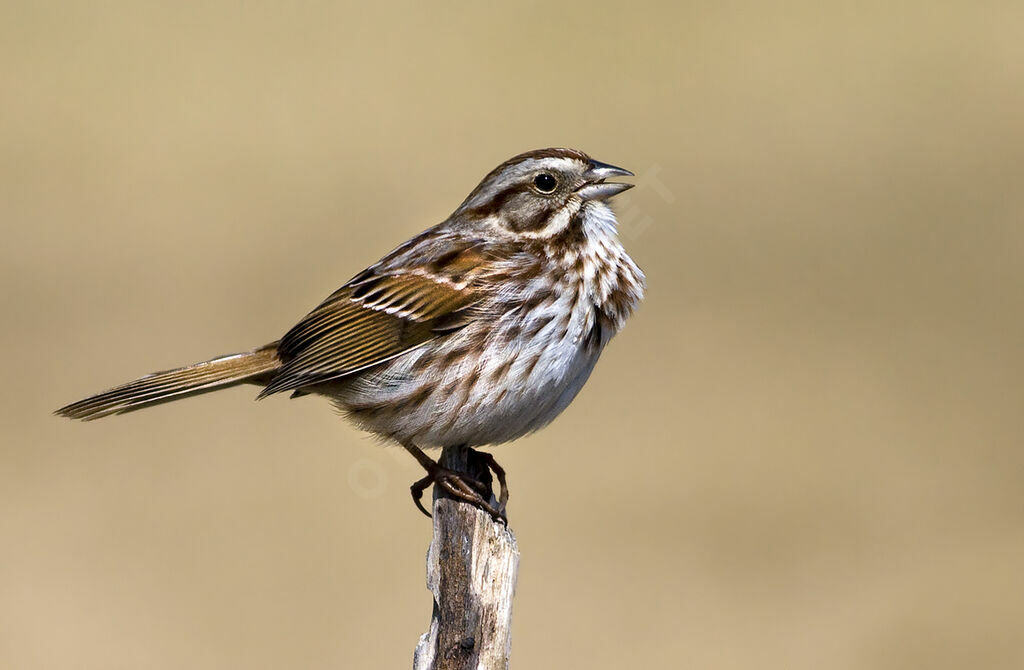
[458, 485]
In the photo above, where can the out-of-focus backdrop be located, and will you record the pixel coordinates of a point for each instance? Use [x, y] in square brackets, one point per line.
[805, 450]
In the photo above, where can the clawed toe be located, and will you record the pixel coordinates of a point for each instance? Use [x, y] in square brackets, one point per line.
[461, 487]
[499, 474]
[417, 490]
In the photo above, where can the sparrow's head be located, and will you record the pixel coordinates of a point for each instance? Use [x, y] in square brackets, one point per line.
[541, 192]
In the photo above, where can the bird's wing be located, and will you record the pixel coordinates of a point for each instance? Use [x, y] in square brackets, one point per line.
[388, 309]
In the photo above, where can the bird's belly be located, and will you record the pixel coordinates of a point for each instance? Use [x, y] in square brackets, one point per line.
[477, 387]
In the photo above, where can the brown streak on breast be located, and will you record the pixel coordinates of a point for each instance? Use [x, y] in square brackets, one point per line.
[530, 366]
[566, 323]
[592, 340]
[470, 380]
[422, 364]
[501, 371]
[538, 325]
[418, 398]
[512, 332]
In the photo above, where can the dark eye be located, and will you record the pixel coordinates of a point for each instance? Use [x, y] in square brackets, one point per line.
[545, 183]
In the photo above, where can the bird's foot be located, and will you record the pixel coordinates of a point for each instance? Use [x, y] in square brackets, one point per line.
[499, 474]
[473, 488]
[460, 486]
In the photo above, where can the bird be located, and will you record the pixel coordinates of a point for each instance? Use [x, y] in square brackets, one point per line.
[477, 331]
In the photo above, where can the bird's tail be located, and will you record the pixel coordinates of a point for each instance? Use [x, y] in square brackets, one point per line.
[250, 367]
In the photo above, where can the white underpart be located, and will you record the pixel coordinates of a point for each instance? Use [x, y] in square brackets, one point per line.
[502, 407]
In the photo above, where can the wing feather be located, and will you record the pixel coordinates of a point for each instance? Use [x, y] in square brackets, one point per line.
[381, 313]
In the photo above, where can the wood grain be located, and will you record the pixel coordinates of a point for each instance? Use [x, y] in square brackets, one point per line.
[471, 571]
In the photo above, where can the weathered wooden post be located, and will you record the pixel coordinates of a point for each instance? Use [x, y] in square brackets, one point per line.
[471, 570]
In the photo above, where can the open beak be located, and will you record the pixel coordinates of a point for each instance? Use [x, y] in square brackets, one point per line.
[595, 187]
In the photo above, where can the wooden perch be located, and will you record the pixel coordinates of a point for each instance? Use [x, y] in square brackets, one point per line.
[471, 570]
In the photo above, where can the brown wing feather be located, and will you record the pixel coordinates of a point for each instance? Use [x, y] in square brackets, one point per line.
[376, 317]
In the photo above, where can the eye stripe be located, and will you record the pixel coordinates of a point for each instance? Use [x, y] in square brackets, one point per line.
[497, 202]
[515, 171]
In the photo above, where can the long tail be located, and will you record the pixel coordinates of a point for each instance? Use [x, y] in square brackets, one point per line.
[221, 372]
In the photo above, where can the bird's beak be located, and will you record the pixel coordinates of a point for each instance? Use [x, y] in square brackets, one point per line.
[595, 187]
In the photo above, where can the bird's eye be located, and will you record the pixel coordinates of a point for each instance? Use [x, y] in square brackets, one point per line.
[545, 183]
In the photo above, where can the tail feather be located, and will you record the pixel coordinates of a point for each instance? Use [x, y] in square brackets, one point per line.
[159, 387]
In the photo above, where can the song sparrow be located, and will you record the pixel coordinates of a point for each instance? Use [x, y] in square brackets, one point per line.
[477, 331]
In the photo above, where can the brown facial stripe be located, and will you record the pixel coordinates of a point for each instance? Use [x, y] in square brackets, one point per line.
[537, 154]
[501, 202]
[497, 203]
[570, 239]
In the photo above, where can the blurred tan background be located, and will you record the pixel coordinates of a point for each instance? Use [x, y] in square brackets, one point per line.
[803, 452]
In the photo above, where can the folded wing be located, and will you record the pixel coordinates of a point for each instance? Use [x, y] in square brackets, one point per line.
[378, 315]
